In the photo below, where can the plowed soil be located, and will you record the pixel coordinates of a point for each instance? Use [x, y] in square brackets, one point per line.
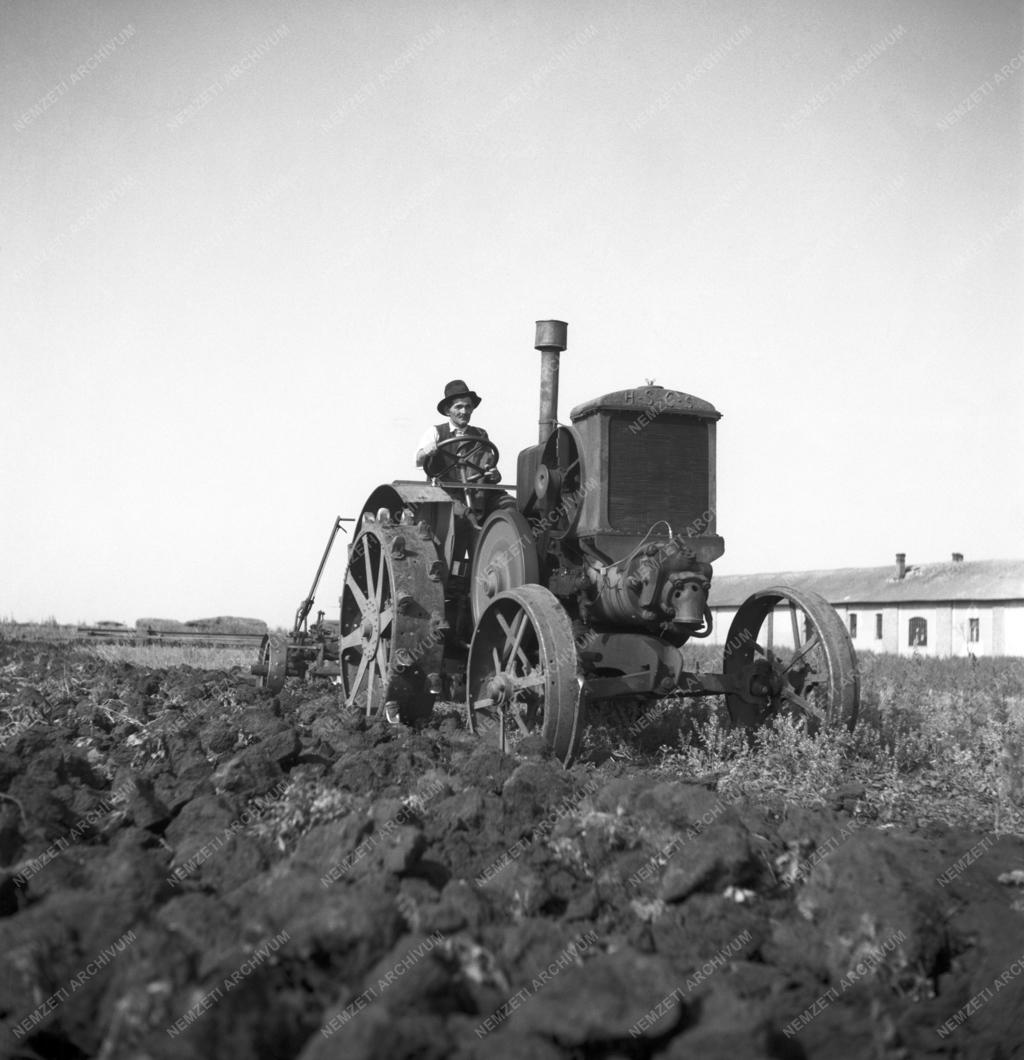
[192, 867]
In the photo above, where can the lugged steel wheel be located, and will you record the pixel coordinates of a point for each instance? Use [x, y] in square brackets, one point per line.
[392, 621]
[272, 667]
[814, 675]
[522, 673]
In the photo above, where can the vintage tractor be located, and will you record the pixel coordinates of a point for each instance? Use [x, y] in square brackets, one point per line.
[583, 592]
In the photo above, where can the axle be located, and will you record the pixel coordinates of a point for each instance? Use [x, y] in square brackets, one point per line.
[647, 682]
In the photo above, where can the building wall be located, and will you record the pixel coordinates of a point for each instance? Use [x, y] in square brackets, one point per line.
[865, 638]
[1000, 628]
[1011, 639]
[962, 615]
[943, 633]
[896, 618]
[890, 629]
[906, 613]
[723, 616]
[782, 628]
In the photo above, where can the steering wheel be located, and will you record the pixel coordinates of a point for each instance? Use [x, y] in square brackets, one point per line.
[462, 462]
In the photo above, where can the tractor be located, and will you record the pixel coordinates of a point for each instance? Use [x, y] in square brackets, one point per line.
[581, 594]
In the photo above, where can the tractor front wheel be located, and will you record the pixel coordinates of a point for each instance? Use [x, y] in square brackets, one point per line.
[790, 653]
[522, 674]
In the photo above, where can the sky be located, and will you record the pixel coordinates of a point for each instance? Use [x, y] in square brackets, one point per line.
[245, 244]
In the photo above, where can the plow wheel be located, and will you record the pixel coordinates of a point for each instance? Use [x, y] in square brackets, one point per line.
[792, 655]
[392, 625]
[505, 557]
[272, 667]
[522, 677]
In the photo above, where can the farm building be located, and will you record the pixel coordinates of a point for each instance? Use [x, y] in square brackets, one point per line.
[955, 608]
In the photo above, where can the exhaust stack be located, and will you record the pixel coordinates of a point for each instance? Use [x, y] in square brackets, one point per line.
[551, 341]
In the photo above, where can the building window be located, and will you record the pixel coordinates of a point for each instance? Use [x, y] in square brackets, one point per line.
[878, 625]
[974, 630]
[853, 625]
[918, 633]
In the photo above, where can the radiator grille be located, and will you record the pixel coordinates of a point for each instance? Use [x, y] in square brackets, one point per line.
[659, 471]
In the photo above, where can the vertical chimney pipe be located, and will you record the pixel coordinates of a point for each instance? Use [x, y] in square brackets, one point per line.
[551, 341]
[901, 565]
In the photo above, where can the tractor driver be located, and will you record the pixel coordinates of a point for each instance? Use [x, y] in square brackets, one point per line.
[458, 404]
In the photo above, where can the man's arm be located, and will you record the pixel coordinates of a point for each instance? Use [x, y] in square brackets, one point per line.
[427, 448]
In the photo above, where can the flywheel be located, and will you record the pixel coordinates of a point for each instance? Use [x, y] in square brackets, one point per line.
[505, 557]
[392, 620]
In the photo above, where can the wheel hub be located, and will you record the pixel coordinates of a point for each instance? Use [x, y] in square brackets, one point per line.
[499, 688]
[765, 680]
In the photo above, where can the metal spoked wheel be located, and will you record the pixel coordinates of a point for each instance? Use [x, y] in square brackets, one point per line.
[272, 667]
[522, 674]
[392, 627]
[791, 654]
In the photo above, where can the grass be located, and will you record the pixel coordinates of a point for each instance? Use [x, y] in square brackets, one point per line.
[936, 739]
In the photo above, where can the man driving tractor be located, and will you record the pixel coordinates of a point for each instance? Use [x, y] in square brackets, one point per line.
[454, 453]
[457, 452]
[458, 404]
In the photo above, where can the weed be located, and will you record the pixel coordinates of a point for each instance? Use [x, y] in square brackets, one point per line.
[937, 738]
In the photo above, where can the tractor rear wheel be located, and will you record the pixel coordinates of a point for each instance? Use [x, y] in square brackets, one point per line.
[792, 654]
[522, 674]
[392, 621]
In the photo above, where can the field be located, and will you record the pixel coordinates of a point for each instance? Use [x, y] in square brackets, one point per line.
[156, 656]
[190, 866]
[936, 739]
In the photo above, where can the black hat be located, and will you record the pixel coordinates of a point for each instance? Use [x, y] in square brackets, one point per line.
[455, 389]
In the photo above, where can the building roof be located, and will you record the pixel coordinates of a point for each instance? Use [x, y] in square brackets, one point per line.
[964, 581]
